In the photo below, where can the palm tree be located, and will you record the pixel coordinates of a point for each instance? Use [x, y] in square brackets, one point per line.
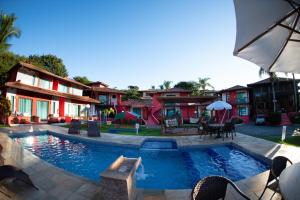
[7, 30]
[273, 77]
[203, 84]
[167, 84]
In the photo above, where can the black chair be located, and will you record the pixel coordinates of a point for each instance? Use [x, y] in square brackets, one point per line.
[228, 129]
[213, 188]
[279, 163]
[207, 130]
[74, 127]
[93, 129]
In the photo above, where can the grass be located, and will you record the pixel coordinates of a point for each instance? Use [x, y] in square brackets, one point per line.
[290, 140]
[142, 131]
[3, 126]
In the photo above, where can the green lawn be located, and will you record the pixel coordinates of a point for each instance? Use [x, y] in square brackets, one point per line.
[2, 125]
[142, 132]
[290, 140]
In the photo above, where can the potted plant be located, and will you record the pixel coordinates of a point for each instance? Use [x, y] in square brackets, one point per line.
[5, 109]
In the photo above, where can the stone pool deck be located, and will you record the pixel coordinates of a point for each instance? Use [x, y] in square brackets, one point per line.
[55, 183]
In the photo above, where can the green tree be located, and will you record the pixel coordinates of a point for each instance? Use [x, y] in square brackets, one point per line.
[273, 78]
[167, 84]
[7, 61]
[49, 62]
[132, 93]
[7, 30]
[202, 85]
[82, 79]
[161, 87]
[188, 85]
[5, 109]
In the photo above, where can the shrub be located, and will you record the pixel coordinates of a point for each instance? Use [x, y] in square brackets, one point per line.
[24, 121]
[237, 120]
[15, 120]
[274, 118]
[295, 117]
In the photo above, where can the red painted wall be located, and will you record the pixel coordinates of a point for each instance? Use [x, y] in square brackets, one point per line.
[61, 106]
[55, 85]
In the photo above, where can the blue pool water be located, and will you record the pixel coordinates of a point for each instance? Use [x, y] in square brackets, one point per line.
[161, 168]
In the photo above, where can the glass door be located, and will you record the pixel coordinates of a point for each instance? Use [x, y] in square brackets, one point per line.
[42, 110]
[25, 106]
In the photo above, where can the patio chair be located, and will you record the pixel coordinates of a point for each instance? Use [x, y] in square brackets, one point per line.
[207, 130]
[74, 127]
[279, 163]
[228, 129]
[93, 129]
[213, 188]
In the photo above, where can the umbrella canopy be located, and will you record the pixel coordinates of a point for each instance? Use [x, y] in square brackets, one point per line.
[127, 115]
[268, 33]
[219, 105]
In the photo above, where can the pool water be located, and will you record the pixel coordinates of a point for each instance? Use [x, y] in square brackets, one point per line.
[161, 168]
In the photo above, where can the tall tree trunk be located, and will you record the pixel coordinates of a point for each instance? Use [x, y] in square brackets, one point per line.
[295, 94]
[274, 96]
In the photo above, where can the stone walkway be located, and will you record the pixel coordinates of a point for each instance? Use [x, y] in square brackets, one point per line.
[55, 183]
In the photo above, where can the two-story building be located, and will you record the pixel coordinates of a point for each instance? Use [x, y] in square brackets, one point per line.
[152, 105]
[35, 92]
[285, 92]
[239, 98]
[107, 97]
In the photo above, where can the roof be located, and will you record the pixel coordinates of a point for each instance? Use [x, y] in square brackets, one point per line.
[268, 81]
[98, 83]
[193, 99]
[171, 90]
[18, 85]
[35, 68]
[138, 103]
[108, 90]
[236, 87]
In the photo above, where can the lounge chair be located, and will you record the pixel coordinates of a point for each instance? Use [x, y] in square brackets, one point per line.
[74, 127]
[213, 188]
[11, 172]
[279, 163]
[93, 129]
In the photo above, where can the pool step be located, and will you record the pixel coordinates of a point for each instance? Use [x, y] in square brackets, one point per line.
[193, 173]
[159, 144]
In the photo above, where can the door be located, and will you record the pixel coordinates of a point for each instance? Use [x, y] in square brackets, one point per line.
[42, 110]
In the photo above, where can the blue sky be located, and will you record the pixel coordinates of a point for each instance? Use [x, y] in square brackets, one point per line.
[135, 42]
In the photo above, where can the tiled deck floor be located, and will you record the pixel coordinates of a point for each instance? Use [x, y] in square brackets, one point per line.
[55, 183]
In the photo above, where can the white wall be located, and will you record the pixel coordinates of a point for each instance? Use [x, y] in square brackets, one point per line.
[77, 91]
[25, 78]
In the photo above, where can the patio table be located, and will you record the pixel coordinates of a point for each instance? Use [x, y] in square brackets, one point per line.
[217, 127]
[289, 181]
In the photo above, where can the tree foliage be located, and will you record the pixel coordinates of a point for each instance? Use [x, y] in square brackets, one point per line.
[49, 62]
[203, 85]
[7, 61]
[7, 30]
[82, 79]
[167, 84]
[5, 108]
[132, 93]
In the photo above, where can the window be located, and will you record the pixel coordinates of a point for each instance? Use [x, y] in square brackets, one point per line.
[25, 106]
[227, 97]
[62, 88]
[137, 111]
[44, 84]
[103, 99]
[242, 97]
[54, 107]
[12, 103]
[42, 109]
[243, 110]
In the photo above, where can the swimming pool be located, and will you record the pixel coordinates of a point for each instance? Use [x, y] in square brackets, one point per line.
[166, 168]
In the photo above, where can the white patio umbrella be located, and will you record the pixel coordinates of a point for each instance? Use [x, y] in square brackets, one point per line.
[268, 33]
[219, 105]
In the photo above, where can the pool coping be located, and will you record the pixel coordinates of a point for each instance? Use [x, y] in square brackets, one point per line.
[237, 143]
